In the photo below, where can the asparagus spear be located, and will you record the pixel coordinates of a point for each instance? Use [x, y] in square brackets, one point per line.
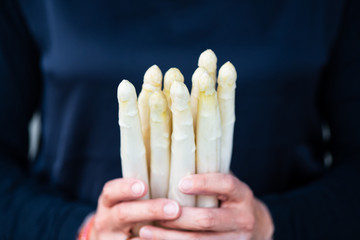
[171, 75]
[152, 83]
[208, 135]
[226, 95]
[160, 145]
[208, 61]
[133, 159]
[182, 143]
[195, 93]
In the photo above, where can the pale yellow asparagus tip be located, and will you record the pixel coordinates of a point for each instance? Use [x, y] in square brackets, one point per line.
[198, 72]
[152, 78]
[180, 96]
[227, 74]
[208, 60]
[195, 79]
[206, 84]
[157, 102]
[173, 74]
[125, 91]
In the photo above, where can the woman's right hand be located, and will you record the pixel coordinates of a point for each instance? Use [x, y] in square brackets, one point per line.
[119, 209]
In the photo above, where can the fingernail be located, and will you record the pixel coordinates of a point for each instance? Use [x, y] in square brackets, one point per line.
[171, 209]
[186, 185]
[137, 188]
[145, 233]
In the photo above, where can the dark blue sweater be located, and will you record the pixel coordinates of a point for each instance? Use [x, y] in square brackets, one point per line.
[298, 66]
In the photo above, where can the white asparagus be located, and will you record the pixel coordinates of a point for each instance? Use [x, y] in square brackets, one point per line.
[208, 135]
[208, 60]
[171, 75]
[195, 93]
[160, 145]
[132, 148]
[152, 83]
[226, 96]
[182, 143]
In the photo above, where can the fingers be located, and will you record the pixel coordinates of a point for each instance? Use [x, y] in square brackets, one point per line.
[150, 232]
[206, 219]
[225, 186]
[122, 189]
[146, 210]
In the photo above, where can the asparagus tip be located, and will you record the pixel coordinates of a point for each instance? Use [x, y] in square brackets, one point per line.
[227, 74]
[179, 95]
[125, 91]
[197, 74]
[153, 76]
[157, 102]
[206, 84]
[208, 60]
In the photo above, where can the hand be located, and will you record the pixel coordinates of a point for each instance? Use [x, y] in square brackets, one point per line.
[240, 216]
[119, 209]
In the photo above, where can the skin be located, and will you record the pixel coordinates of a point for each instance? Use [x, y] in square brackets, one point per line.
[240, 216]
[119, 208]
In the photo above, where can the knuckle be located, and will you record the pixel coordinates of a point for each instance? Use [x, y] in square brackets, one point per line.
[100, 224]
[207, 220]
[247, 189]
[108, 184]
[120, 215]
[155, 209]
[201, 182]
[246, 222]
[249, 193]
[106, 195]
[230, 183]
[106, 192]
[249, 222]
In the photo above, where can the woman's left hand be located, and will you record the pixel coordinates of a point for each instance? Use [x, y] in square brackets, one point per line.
[240, 216]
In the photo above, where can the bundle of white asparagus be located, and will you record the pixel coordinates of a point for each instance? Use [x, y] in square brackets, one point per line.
[169, 134]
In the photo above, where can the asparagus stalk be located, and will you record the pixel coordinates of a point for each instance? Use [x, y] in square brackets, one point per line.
[195, 93]
[132, 148]
[160, 145]
[171, 75]
[182, 143]
[152, 83]
[226, 96]
[208, 60]
[208, 135]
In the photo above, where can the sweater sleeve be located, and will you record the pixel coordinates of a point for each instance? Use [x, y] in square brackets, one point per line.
[329, 208]
[29, 209]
